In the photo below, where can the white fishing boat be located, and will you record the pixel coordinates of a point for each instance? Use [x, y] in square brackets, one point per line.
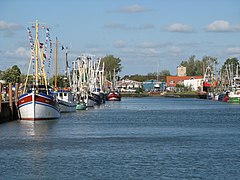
[65, 97]
[234, 96]
[87, 80]
[66, 101]
[38, 105]
[233, 85]
[38, 102]
[82, 79]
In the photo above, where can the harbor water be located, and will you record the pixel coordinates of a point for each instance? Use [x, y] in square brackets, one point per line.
[137, 138]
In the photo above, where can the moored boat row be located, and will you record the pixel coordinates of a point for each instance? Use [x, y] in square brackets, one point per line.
[221, 87]
[86, 83]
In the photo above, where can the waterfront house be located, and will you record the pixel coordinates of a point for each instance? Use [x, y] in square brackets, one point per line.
[193, 84]
[173, 81]
[127, 85]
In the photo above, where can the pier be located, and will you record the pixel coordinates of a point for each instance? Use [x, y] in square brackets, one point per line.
[8, 103]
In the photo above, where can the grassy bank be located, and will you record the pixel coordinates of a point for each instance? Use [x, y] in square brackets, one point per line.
[165, 94]
[134, 94]
[181, 94]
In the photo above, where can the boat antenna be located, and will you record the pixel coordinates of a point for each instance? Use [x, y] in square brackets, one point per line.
[56, 65]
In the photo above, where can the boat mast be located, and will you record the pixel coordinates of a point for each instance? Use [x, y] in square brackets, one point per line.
[36, 44]
[114, 79]
[237, 70]
[157, 71]
[103, 78]
[56, 65]
[67, 69]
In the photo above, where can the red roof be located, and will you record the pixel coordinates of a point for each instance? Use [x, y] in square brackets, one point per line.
[172, 81]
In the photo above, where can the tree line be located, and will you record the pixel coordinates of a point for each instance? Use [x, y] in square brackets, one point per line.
[194, 67]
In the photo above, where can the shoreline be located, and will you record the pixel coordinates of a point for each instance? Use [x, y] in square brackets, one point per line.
[158, 94]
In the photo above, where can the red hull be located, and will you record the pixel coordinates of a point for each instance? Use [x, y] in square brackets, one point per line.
[114, 96]
[34, 107]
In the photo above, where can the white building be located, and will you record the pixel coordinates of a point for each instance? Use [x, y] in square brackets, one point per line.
[128, 85]
[193, 83]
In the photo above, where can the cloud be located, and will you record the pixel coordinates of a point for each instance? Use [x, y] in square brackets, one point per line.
[222, 26]
[5, 26]
[147, 49]
[178, 27]
[144, 49]
[175, 50]
[9, 28]
[19, 56]
[234, 51]
[119, 44]
[135, 8]
[20, 52]
[150, 52]
[148, 45]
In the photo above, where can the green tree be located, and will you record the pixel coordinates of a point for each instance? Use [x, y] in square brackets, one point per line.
[111, 63]
[209, 61]
[163, 75]
[150, 76]
[189, 64]
[23, 78]
[12, 75]
[62, 81]
[230, 67]
[1, 74]
[195, 67]
[164, 72]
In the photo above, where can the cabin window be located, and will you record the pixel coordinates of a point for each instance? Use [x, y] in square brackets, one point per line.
[65, 94]
[60, 94]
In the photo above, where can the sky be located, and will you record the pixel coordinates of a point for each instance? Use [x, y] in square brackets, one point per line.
[147, 35]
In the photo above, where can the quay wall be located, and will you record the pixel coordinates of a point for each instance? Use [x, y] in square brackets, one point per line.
[8, 98]
[8, 114]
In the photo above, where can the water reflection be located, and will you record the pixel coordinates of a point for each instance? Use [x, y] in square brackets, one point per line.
[38, 144]
[37, 129]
